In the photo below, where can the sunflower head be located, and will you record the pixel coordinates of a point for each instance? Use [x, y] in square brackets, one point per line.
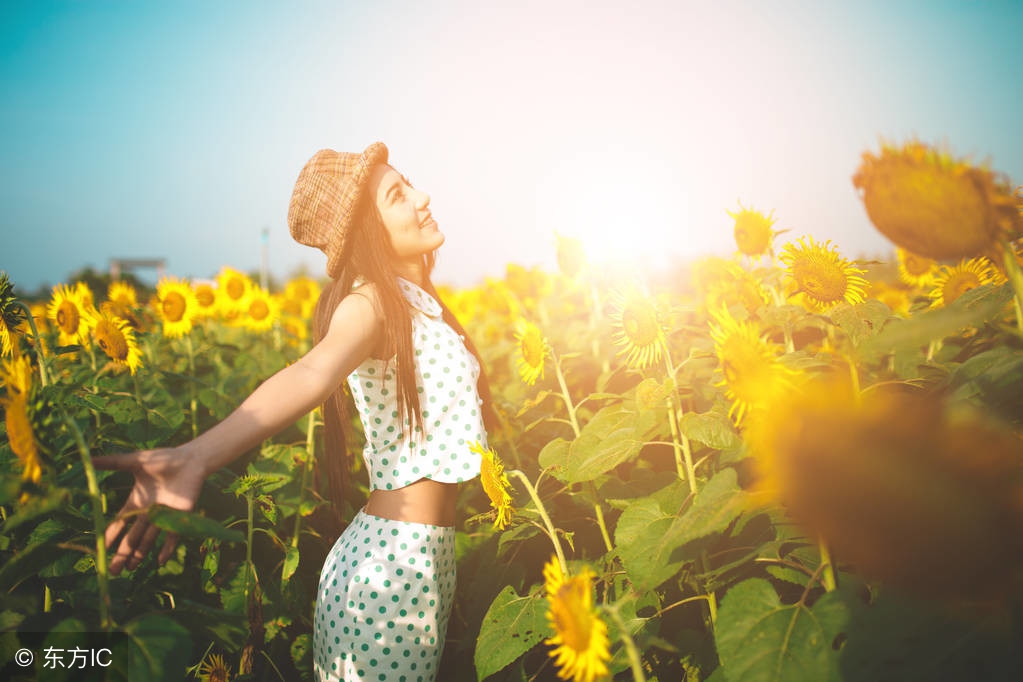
[739, 288]
[303, 291]
[571, 256]
[581, 647]
[638, 329]
[951, 282]
[821, 274]
[11, 315]
[206, 299]
[915, 270]
[753, 377]
[495, 484]
[260, 310]
[711, 272]
[69, 313]
[753, 234]
[16, 374]
[934, 205]
[177, 306]
[533, 350]
[116, 338]
[214, 669]
[233, 288]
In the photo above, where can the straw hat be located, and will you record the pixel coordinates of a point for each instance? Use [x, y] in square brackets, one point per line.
[325, 197]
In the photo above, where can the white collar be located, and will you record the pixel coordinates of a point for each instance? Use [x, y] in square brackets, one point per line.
[419, 299]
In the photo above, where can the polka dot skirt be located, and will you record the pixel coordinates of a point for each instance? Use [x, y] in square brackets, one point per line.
[383, 602]
[446, 378]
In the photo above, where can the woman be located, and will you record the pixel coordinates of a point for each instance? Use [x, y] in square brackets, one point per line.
[387, 585]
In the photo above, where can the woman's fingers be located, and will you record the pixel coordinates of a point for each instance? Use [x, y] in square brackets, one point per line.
[146, 544]
[122, 462]
[168, 547]
[128, 544]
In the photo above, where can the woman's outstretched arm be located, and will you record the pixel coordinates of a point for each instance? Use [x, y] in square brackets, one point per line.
[174, 476]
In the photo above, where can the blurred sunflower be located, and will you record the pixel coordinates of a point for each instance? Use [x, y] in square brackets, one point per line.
[951, 282]
[260, 310]
[753, 234]
[895, 298]
[495, 484]
[206, 299]
[532, 350]
[232, 288]
[638, 331]
[214, 669]
[305, 291]
[581, 647]
[821, 274]
[68, 312]
[571, 255]
[934, 205]
[753, 376]
[711, 272]
[122, 295]
[177, 306]
[116, 338]
[11, 315]
[745, 290]
[910, 492]
[16, 374]
[914, 270]
[85, 294]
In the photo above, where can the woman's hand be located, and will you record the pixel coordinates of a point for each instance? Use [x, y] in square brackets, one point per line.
[166, 476]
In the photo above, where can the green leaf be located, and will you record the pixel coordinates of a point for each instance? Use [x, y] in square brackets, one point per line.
[290, 563]
[719, 502]
[614, 435]
[157, 649]
[710, 428]
[638, 538]
[554, 454]
[510, 628]
[191, 524]
[759, 639]
[862, 321]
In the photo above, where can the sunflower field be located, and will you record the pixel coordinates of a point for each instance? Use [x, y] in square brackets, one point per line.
[782, 465]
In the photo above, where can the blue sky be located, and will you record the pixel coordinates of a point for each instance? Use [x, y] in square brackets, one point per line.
[176, 130]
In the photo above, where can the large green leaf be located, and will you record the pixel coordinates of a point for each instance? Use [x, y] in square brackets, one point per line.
[511, 627]
[190, 524]
[712, 429]
[639, 537]
[759, 639]
[614, 435]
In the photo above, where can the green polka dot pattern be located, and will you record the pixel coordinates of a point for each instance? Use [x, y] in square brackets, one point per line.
[446, 377]
[383, 602]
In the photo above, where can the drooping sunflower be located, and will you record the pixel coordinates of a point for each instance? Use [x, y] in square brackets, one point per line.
[214, 669]
[16, 373]
[232, 288]
[934, 205]
[304, 291]
[638, 331]
[116, 338]
[753, 233]
[753, 375]
[581, 648]
[69, 313]
[822, 274]
[914, 270]
[532, 350]
[177, 306]
[951, 282]
[11, 315]
[260, 310]
[495, 484]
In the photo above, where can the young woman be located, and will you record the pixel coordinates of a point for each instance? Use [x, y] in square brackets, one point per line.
[386, 587]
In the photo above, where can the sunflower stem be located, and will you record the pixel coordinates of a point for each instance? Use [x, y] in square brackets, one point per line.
[603, 526]
[44, 377]
[551, 531]
[635, 662]
[675, 419]
[564, 394]
[99, 525]
[829, 568]
[1015, 276]
[192, 405]
[310, 448]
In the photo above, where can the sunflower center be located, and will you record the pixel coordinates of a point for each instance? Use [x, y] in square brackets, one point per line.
[572, 615]
[235, 288]
[752, 235]
[744, 364]
[532, 350]
[173, 305]
[302, 291]
[958, 284]
[205, 296]
[259, 310]
[917, 265]
[68, 317]
[292, 307]
[822, 280]
[640, 324]
[111, 340]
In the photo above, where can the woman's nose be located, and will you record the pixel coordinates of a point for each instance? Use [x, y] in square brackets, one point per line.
[424, 199]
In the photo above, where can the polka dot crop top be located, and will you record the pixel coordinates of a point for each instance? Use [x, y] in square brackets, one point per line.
[446, 375]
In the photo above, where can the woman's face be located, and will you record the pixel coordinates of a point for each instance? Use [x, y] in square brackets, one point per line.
[405, 212]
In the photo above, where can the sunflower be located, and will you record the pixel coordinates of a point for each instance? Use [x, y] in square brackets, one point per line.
[914, 270]
[638, 331]
[580, 636]
[951, 282]
[744, 289]
[16, 373]
[532, 350]
[753, 233]
[821, 274]
[122, 295]
[69, 313]
[260, 310]
[11, 315]
[232, 287]
[206, 298]
[495, 484]
[304, 291]
[753, 375]
[213, 669]
[571, 256]
[116, 338]
[177, 306]
[934, 205]
[711, 272]
[895, 298]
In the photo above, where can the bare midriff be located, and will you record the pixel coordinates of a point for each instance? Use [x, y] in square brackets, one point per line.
[424, 501]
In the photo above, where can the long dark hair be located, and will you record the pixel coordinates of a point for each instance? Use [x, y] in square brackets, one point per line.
[371, 258]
